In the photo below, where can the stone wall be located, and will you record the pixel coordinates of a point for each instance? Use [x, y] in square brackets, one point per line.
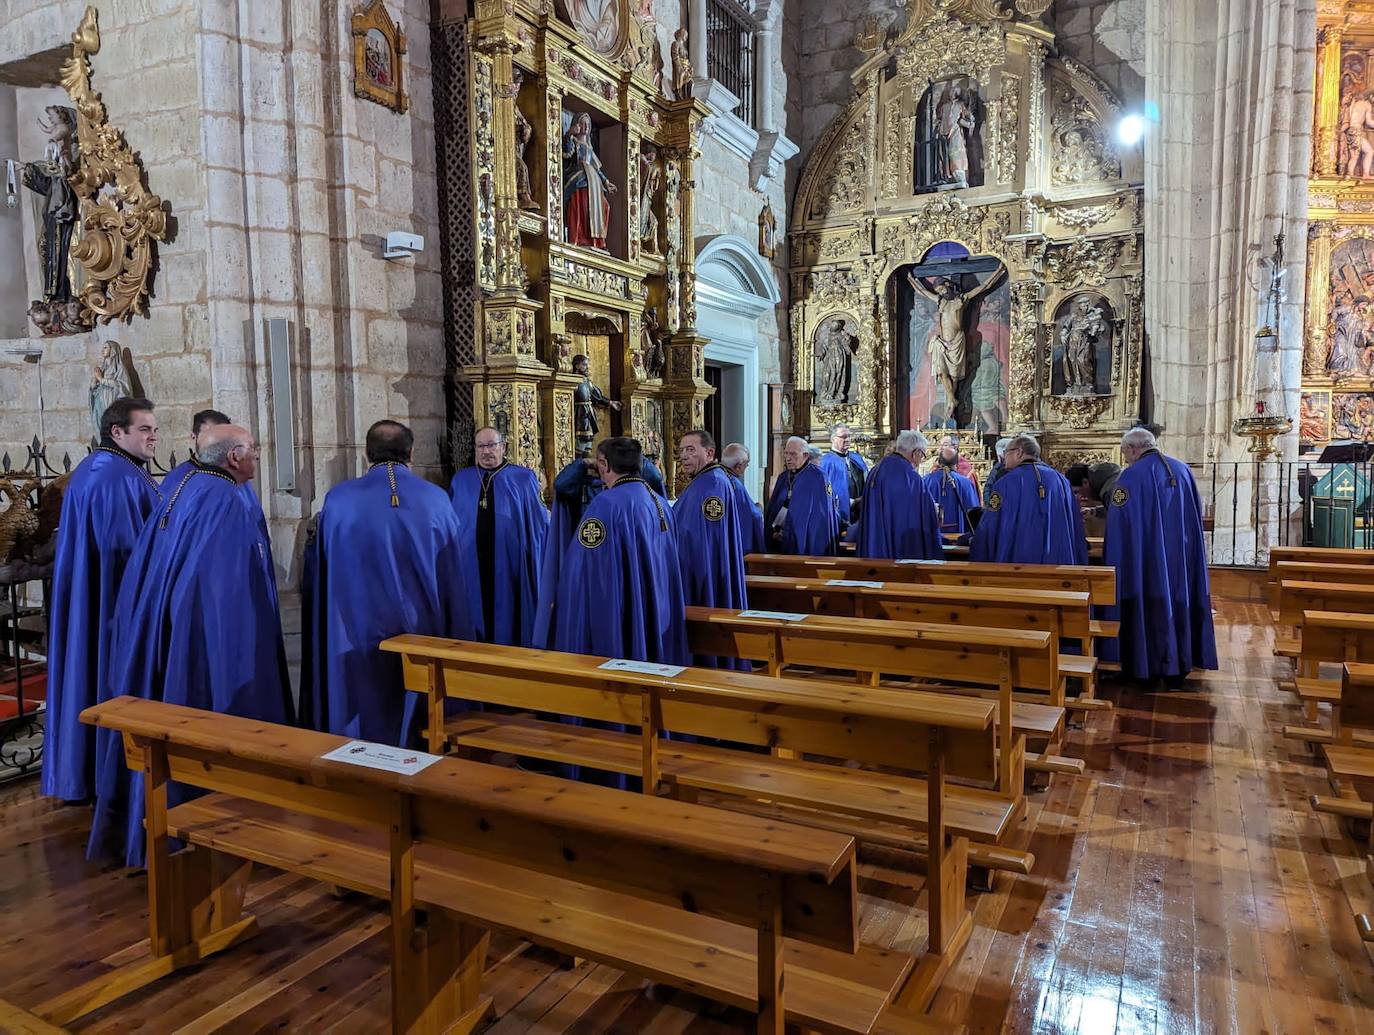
[1107, 36]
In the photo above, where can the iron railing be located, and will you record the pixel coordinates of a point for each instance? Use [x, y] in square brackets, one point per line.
[730, 52]
[1253, 507]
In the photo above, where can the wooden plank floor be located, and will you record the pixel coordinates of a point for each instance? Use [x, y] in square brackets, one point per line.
[1183, 885]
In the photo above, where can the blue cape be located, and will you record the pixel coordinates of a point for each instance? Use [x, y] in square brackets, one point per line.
[812, 524]
[521, 524]
[197, 625]
[173, 478]
[836, 470]
[378, 571]
[897, 518]
[954, 494]
[1154, 540]
[573, 489]
[107, 501]
[619, 590]
[710, 548]
[750, 519]
[1021, 527]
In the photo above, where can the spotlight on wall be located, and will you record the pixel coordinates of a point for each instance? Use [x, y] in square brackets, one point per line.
[1130, 129]
[400, 245]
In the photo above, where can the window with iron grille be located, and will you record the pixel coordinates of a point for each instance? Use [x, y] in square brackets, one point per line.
[730, 52]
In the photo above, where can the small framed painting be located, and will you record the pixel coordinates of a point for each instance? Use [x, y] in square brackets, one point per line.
[379, 48]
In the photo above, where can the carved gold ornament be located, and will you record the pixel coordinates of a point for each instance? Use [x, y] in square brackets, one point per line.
[120, 218]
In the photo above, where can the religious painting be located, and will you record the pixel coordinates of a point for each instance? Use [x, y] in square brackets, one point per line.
[949, 136]
[1314, 421]
[835, 346]
[953, 332]
[1081, 356]
[1350, 328]
[1352, 416]
[601, 23]
[379, 47]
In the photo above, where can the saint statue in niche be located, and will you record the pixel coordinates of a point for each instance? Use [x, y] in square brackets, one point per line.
[682, 64]
[1357, 122]
[836, 344]
[585, 186]
[524, 132]
[948, 152]
[109, 381]
[1079, 334]
[587, 398]
[947, 343]
[652, 358]
[651, 179]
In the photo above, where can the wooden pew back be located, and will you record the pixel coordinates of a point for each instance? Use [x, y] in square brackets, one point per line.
[1317, 555]
[875, 725]
[1337, 636]
[1357, 697]
[1295, 597]
[990, 607]
[1097, 581]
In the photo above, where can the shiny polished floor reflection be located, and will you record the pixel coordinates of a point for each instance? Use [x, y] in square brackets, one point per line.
[1182, 885]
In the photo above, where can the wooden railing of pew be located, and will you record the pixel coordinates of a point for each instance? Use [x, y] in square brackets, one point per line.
[1062, 613]
[959, 659]
[1349, 756]
[1296, 598]
[1326, 637]
[911, 731]
[752, 912]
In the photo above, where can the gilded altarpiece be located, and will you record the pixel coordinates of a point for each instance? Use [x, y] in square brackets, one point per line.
[971, 202]
[557, 89]
[1338, 324]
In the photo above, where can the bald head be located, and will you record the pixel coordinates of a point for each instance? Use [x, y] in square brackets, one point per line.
[228, 448]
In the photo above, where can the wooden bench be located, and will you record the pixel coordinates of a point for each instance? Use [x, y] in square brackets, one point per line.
[1317, 555]
[1350, 766]
[1312, 571]
[1097, 581]
[875, 726]
[1297, 597]
[999, 659]
[992, 607]
[1327, 636]
[722, 904]
[895, 729]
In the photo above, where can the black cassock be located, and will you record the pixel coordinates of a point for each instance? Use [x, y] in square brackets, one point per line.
[59, 215]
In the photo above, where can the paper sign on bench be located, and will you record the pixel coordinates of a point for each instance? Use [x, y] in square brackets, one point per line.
[781, 616]
[648, 668]
[382, 756]
[919, 560]
[856, 583]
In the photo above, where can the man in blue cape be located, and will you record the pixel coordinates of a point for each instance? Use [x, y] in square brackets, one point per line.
[802, 518]
[845, 470]
[1032, 516]
[388, 559]
[106, 503]
[619, 590]
[502, 524]
[1155, 541]
[736, 459]
[898, 517]
[574, 488]
[710, 535]
[197, 624]
[199, 422]
[954, 493]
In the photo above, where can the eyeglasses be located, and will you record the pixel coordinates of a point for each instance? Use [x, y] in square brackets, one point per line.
[490, 445]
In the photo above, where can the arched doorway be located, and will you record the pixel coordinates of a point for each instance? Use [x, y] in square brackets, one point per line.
[735, 287]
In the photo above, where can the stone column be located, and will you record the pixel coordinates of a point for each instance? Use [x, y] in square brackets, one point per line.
[696, 37]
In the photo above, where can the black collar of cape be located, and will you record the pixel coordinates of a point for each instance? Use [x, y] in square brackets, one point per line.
[107, 446]
[487, 474]
[658, 503]
[1164, 463]
[712, 466]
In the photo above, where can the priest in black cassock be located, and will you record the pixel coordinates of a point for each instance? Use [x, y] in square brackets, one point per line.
[387, 560]
[502, 525]
[197, 624]
[710, 535]
[105, 505]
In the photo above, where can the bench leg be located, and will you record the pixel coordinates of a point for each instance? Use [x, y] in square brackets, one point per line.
[437, 975]
[771, 1013]
[202, 915]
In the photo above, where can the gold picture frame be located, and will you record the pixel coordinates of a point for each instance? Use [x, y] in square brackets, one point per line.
[379, 48]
